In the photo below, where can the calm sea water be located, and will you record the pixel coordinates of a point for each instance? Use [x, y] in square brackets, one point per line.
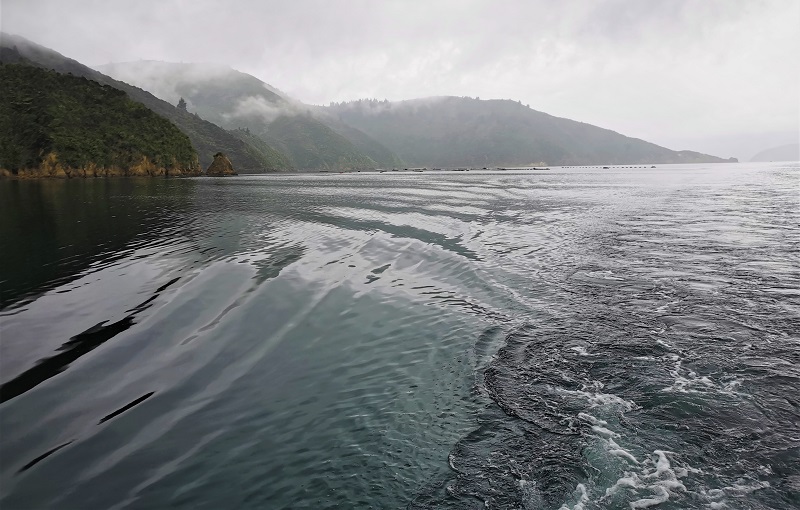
[578, 339]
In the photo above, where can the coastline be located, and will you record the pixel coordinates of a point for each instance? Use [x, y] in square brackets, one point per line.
[52, 169]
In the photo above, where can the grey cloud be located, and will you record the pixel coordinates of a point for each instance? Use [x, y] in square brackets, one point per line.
[681, 73]
[256, 106]
[148, 74]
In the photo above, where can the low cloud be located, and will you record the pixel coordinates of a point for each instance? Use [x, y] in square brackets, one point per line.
[678, 72]
[376, 106]
[257, 107]
[166, 80]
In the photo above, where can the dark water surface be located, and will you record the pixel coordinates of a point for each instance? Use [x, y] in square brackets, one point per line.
[551, 339]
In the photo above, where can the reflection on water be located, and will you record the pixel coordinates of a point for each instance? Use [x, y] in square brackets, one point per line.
[53, 230]
[524, 340]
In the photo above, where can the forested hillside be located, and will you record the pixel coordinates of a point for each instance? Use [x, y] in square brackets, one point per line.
[461, 131]
[304, 134]
[206, 137]
[59, 125]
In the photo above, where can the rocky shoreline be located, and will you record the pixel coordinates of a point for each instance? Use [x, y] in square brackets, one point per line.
[51, 168]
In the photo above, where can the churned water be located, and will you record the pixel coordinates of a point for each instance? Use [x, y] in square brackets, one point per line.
[564, 339]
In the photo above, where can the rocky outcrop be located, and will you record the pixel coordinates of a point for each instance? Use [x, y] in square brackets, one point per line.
[51, 167]
[221, 166]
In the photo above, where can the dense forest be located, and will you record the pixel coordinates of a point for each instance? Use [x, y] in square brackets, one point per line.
[206, 137]
[63, 125]
[276, 160]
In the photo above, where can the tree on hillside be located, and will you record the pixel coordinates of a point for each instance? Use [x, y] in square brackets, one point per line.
[182, 104]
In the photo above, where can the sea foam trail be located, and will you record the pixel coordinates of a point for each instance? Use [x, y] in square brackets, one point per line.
[576, 339]
[648, 355]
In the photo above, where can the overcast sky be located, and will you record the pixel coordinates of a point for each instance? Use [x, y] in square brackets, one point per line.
[717, 76]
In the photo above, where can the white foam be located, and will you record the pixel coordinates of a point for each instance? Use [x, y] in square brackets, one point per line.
[617, 451]
[742, 487]
[631, 482]
[661, 496]
[601, 399]
[591, 419]
[603, 275]
[693, 383]
[662, 465]
[664, 344]
[731, 386]
[581, 350]
[604, 431]
[597, 398]
[654, 475]
[625, 454]
[583, 498]
[531, 497]
[766, 470]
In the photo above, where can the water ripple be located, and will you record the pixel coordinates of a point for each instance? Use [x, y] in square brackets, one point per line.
[563, 339]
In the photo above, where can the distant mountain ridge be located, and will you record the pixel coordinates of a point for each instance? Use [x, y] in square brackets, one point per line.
[261, 130]
[237, 100]
[440, 131]
[788, 152]
[455, 131]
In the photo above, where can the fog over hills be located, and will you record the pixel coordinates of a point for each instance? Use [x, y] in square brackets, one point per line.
[789, 152]
[457, 131]
[58, 125]
[236, 100]
[206, 137]
[262, 129]
[711, 76]
[441, 131]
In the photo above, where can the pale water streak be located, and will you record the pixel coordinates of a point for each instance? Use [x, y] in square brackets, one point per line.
[572, 339]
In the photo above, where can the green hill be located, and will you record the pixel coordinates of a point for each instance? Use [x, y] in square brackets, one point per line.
[58, 125]
[277, 160]
[378, 152]
[454, 131]
[312, 145]
[234, 100]
[270, 132]
[206, 137]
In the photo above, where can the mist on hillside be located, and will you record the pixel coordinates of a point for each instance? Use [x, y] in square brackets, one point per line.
[173, 81]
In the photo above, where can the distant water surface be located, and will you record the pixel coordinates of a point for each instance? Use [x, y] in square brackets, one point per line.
[579, 339]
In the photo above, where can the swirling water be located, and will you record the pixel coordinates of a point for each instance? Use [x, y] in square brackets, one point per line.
[564, 339]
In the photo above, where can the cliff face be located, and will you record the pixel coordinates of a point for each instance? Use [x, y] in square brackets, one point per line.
[55, 125]
[221, 166]
[51, 167]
